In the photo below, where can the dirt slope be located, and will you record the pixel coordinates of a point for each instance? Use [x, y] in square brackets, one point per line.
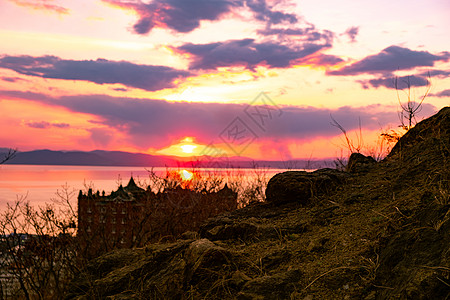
[381, 234]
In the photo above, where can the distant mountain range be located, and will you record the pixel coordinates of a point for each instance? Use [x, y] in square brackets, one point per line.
[119, 158]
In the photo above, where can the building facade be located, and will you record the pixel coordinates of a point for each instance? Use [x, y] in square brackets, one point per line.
[132, 216]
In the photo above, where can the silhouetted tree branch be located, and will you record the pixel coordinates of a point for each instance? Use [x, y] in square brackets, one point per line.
[9, 155]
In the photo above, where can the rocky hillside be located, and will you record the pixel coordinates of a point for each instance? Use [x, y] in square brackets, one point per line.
[377, 231]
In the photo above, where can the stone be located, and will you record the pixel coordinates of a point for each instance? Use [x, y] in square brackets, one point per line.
[301, 186]
[358, 163]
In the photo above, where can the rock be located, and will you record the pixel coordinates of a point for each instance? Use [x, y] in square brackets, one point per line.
[275, 258]
[358, 163]
[301, 186]
[189, 235]
[238, 279]
[415, 264]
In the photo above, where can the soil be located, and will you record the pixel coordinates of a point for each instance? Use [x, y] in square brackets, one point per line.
[382, 233]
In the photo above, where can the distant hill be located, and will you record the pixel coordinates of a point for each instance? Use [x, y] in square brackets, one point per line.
[120, 158]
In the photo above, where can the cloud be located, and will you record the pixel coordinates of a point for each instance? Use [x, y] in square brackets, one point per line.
[45, 125]
[247, 53]
[322, 60]
[436, 73]
[309, 33]
[42, 5]
[11, 79]
[100, 71]
[185, 15]
[154, 123]
[265, 13]
[101, 136]
[391, 59]
[61, 125]
[39, 125]
[352, 32]
[441, 94]
[393, 82]
[120, 89]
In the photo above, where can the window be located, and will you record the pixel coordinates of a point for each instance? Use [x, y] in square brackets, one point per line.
[124, 211]
[88, 229]
[114, 210]
[124, 221]
[89, 210]
[102, 219]
[103, 210]
[113, 230]
[113, 220]
[89, 219]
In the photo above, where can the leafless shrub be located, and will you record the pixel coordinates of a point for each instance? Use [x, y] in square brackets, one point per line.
[353, 146]
[410, 107]
[38, 249]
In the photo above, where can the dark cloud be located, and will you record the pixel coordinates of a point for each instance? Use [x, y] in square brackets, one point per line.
[61, 125]
[265, 13]
[441, 94]
[247, 53]
[40, 125]
[393, 82]
[391, 59]
[185, 15]
[155, 123]
[436, 73]
[42, 5]
[101, 71]
[120, 89]
[11, 79]
[305, 34]
[45, 125]
[352, 32]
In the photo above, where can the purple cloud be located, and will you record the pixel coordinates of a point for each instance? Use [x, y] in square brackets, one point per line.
[436, 73]
[186, 15]
[45, 125]
[352, 32]
[441, 94]
[391, 59]
[393, 82]
[305, 34]
[152, 123]
[39, 125]
[100, 71]
[61, 125]
[265, 13]
[247, 53]
[11, 79]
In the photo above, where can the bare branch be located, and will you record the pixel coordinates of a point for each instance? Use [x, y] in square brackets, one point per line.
[9, 155]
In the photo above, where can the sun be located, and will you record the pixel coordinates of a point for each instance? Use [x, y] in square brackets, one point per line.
[188, 148]
[186, 175]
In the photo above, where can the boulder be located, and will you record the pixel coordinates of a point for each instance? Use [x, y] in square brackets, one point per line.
[301, 186]
[358, 163]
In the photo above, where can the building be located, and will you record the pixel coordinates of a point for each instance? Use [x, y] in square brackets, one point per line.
[132, 216]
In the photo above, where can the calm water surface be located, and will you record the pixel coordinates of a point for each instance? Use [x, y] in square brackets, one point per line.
[39, 184]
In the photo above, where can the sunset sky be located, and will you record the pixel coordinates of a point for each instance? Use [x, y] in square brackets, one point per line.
[256, 78]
